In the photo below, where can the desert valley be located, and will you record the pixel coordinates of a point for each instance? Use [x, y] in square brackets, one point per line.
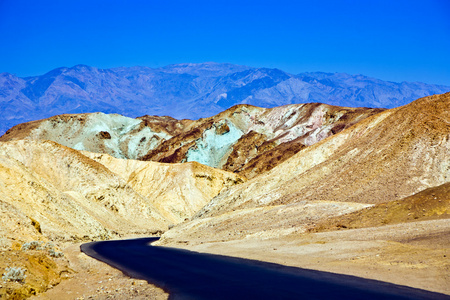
[357, 191]
[217, 150]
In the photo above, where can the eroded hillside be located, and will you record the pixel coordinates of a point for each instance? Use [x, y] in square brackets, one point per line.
[52, 195]
[430, 204]
[113, 134]
[177, 191]
[72, 196]
[243, 139]
[389, 156]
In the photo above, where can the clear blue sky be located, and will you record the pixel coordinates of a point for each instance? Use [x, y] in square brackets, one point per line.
[397, 40]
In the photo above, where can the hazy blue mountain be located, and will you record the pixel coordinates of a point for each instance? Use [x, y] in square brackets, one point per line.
[189, 91]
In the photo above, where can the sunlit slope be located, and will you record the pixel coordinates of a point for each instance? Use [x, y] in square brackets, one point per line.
[432, 203]
[386, 157]
[72, 196]
[15, 226]
[178, 191]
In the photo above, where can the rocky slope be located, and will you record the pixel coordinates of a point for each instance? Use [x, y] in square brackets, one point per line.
[240, 137]
[70, 195]
[386, 157]
[177, 191]
[243, 139]
[57, 193]
[119, 136]
[189, 91]
[432, 203]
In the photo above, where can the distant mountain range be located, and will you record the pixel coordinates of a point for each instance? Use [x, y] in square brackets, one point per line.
[189, 91]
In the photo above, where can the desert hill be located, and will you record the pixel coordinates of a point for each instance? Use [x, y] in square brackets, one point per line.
[243, 139]
[71, 196]
[386, 157]
[119, 136]
[52, 196]
[432, 203]
[177, 191]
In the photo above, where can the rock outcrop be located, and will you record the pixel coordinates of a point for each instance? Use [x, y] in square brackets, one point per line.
[252, 140]
[113, 134]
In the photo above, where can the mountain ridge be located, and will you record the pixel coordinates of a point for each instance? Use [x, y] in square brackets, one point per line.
[189, 91]
[243, 139]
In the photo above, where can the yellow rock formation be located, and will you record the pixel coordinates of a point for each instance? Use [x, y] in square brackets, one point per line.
[72, 196]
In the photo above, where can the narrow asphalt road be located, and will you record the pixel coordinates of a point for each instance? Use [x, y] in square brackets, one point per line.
[191, 275]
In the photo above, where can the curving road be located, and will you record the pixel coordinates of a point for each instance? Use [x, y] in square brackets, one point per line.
[191, 275]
